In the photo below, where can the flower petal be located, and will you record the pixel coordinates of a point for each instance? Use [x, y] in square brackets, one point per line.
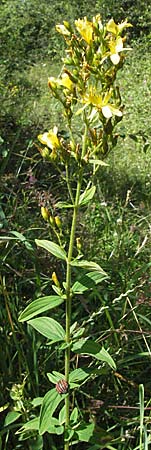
[106, 111]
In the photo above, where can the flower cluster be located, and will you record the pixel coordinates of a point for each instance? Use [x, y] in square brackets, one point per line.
[87, 84]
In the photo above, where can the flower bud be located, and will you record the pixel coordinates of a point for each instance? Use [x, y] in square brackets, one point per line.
[52, 221]
[79, 246]
[45, 213]
[55, 279]
[58, 222]
[45, 153]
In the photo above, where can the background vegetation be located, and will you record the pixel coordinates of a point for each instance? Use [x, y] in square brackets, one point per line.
[118, 225]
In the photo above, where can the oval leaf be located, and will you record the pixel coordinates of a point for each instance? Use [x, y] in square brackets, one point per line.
[40, 305]
[49, 328]
[87, 195]
[85, 431]
[33, 424]
[52, 248]
[54, 377]
[89, 347]
[90, 265]
[88, 281]
[65, 205]
[78, 375]
[50, 402]
[11, 417]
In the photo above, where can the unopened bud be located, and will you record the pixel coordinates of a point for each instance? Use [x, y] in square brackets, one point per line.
[58, 222]
[45, 213]
[79, 246]
[52, 221]
[55, 279]
[45, 153]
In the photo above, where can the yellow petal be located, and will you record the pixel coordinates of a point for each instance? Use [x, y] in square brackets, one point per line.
[62, 29]
[112, 27]
[50, 139]
[66, 82]
[85, 28]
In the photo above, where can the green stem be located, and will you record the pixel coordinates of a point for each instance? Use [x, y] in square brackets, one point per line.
[68, 284]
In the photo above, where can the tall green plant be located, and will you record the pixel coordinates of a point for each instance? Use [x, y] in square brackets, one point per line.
[89, 94]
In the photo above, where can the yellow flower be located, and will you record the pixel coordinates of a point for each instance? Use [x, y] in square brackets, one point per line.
[63, 29]
[50, 138]
[101, 103]
[112, 27]
[115, 46]
[85, 28]
[66, 82]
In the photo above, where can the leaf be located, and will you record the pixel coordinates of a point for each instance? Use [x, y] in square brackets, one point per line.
[87, 195]
[78, 375]
[40, 305]
[89, 347]
[99, 162]
[23, 239]
[63, 205]
[74, 415]
[50, 403]
[90, 265]
[37, 401]
[33, 424]
[49, 328]
[62, 415]
[11, 417]
[54, 377]
[85, 431]
[88, 281]
[52, 248]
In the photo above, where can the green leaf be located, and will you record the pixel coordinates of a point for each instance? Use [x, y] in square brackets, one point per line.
[49, 328]
[89, 347]
[31, 425]
[88, 281]
[85, 431]
[23, 239]
[61, 205]
[50, 403]
[11, 417]
[99, 162]
[40, 305]
[74, 415]
[54, 427]
[87, 195]
[90, 265]
[54, 377]
[37, 401]
[79, 375]
[78, 333]
[62, 415]
[52, 248]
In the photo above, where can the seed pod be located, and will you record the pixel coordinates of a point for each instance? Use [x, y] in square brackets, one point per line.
[62, 387]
